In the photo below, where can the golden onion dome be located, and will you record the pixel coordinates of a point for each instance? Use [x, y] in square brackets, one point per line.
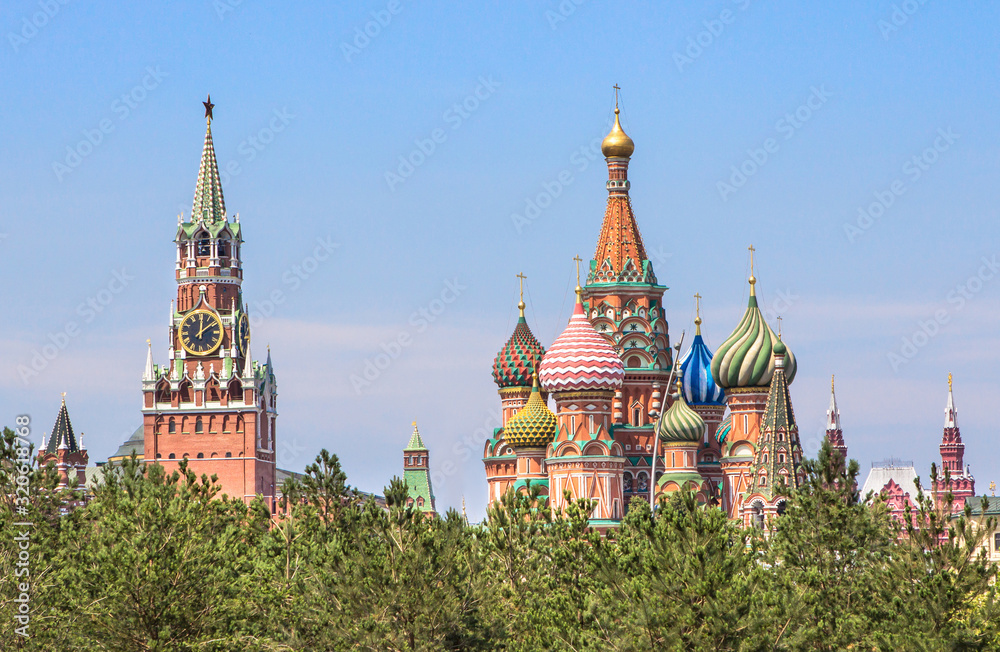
[617, 144]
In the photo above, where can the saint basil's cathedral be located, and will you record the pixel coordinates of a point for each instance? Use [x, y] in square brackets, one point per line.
[727, 430]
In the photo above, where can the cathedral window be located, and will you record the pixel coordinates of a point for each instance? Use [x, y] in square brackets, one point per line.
[172, 426]
[229, 454]
[201, 456]
[996, 542]
[199, 426]
[627, 483]
[758, 516]
[746, 425]
[171, 456]
[636, 417]
[204, 245]
[185, 392]
[781, 458]
[781, 508]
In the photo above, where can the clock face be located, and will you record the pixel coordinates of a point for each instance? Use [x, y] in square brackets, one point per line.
[243, 334]
[201, 332]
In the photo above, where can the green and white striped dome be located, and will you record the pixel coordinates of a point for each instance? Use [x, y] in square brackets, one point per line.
[746, 358]
[681, 423]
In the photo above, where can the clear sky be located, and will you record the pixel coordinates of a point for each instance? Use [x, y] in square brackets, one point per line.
[753, 123]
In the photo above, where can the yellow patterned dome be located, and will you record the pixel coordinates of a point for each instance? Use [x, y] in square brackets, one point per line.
[617, 144]
[534, 426]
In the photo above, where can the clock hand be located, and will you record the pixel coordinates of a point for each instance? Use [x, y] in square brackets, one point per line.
[203, 327]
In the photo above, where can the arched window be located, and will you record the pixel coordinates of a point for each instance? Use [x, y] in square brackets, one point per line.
[203, 247]
[229, 454]
[201, 456]
[627, 483]
[634, 362]
[163, 392]
[212, 390]
[758, 516]
[636, 417]
[781, 508]
[781, 458]
[171, 456]
[235, 390]
[223, 248]
[763, 480]
[199, 426]
[185, 391]
[172, 426]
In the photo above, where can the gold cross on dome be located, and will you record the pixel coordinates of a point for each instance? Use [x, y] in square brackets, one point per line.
[697, 305]
[751, 248]
[522, 278]
[779, 327]
[617, 88]
[578, 261]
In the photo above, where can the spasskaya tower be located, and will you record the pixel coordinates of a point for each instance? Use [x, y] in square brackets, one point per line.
[211, 403]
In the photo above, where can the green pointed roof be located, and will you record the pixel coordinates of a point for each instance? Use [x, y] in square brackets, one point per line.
[416, 443]
[778, 412]
[681, 423]
[209, 204]
[62, 432]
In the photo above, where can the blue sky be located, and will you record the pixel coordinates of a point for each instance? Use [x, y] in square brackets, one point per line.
[822, 105]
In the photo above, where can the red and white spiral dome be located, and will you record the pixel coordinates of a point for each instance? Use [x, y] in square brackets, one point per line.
[580, 359]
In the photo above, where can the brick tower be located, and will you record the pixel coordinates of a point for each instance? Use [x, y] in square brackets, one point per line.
[417, 474]
[743, 366]
[624, 301]
[64, 450]
[834, 433]
[962, 485]
[211, 403]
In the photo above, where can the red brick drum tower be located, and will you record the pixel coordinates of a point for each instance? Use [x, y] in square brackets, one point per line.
[211, 403]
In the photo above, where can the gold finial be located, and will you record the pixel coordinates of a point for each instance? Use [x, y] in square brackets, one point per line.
[753, 279]
[617, 144]
[520, 304]
[993, 488]
[579, 290]
[414, 424]
[779, 327]
[831, 383]
[697, 313]
[149, 343]
[949, 381]
[64, 398]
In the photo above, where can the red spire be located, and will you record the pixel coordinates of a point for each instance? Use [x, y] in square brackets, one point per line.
[620, 256]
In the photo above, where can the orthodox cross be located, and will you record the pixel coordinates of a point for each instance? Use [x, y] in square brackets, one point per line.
[779, 327]
[522, 278]
[578, 261]
[617, 88]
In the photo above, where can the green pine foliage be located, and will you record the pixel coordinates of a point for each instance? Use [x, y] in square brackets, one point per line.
[158, 561]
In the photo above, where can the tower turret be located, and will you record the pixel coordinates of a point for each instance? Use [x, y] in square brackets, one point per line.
[961, 484]
[62, 449]
[416, 473]
[210, 403]
[834, 433]
[777, 462]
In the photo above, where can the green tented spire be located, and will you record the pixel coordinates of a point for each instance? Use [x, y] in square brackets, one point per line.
[209, 204]
[416, 443]
[416, 473]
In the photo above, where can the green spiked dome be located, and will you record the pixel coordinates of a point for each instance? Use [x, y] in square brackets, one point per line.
[746, 359]
[534, 426]
[681, 423]
[519, 358]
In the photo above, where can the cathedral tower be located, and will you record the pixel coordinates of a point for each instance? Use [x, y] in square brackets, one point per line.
[624, 302]
[682, 431]
[513, 370]
[211, 403]
[706, 398]
[583, 374]
[778, 459]
[743, 366]
[528, 433]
